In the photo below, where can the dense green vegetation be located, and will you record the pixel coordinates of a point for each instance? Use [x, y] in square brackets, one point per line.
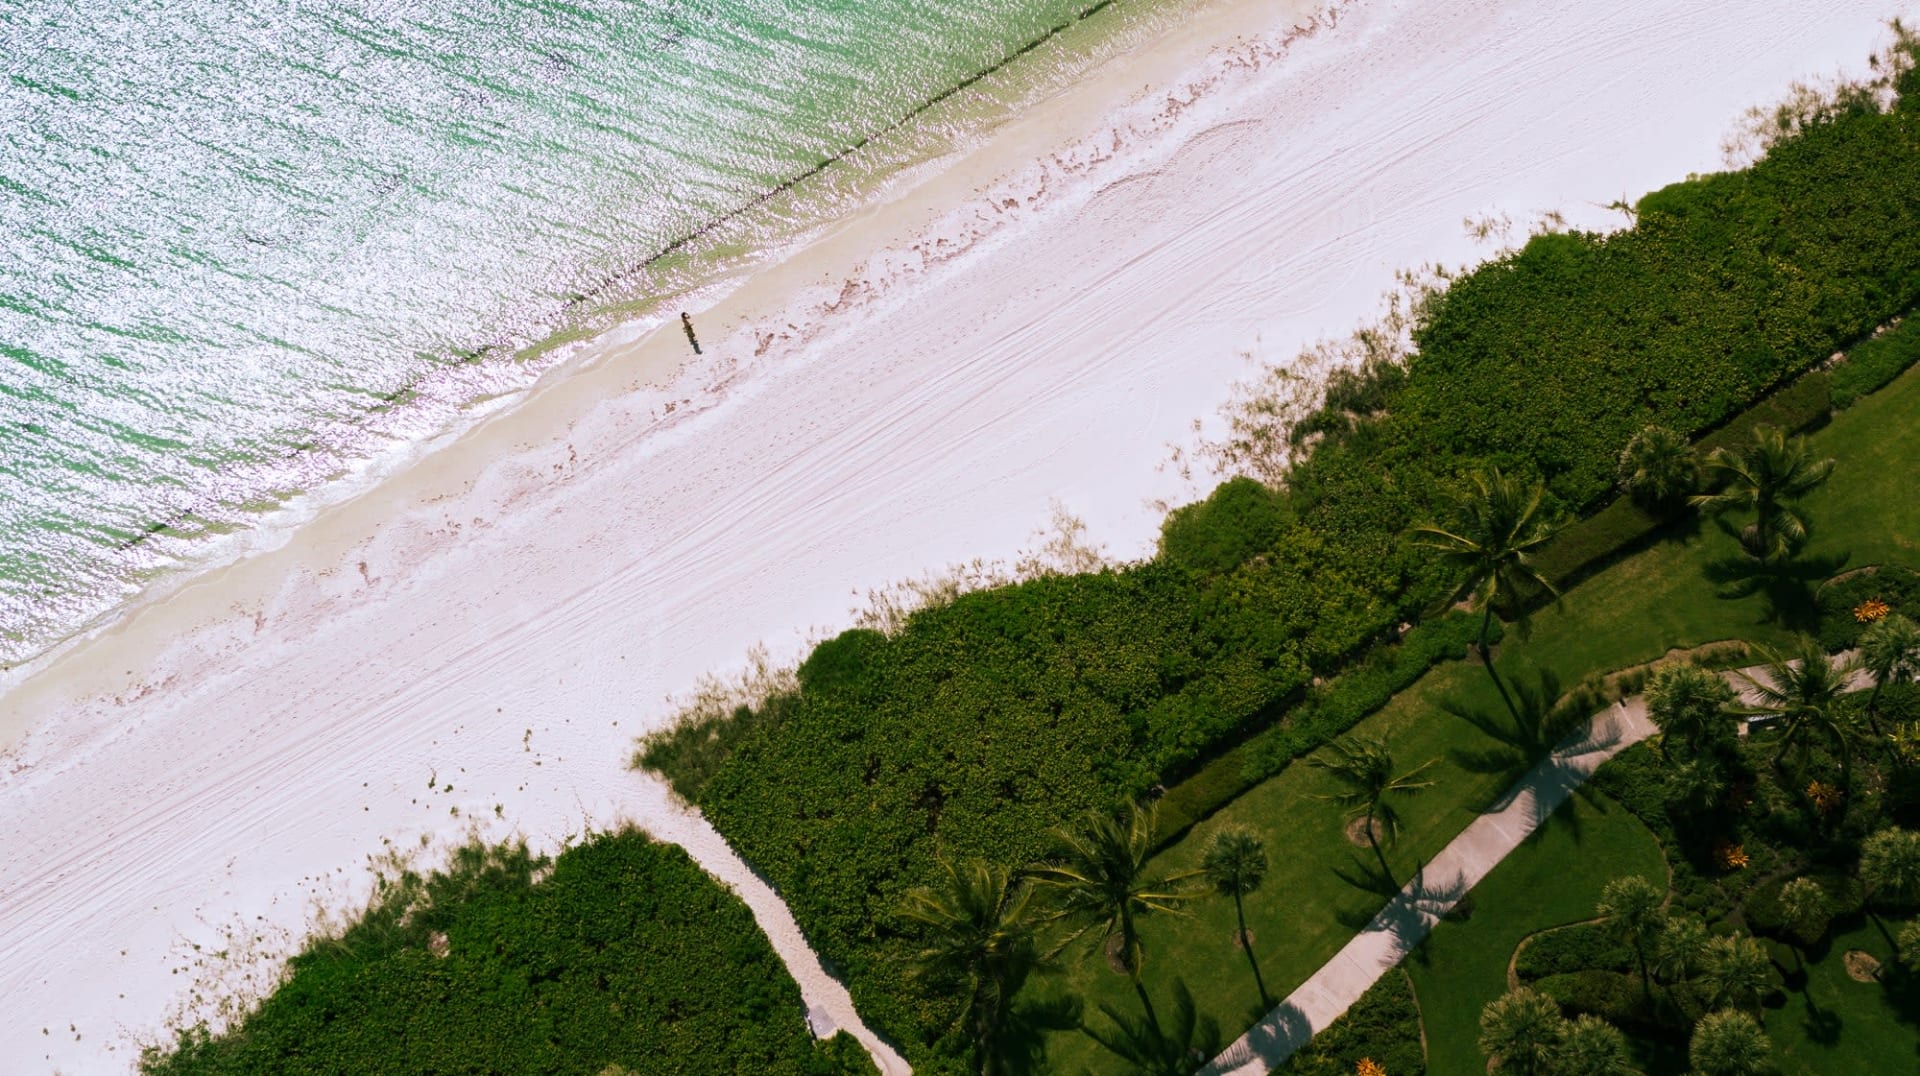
[985, 723]
[1382, 1027]
[624, 957]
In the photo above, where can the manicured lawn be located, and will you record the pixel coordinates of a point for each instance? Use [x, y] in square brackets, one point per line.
[1840, 1025]
[1633, 612]
[1552, 879]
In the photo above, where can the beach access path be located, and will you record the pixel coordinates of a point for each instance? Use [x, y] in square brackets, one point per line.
[1404, 923]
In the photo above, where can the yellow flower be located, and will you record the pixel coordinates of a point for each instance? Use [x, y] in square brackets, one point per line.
[1871, 610]
[1731, 857]
[1369, 1067]
[1825, 797]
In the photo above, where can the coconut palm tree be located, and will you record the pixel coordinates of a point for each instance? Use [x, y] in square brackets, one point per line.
[1365, 767]
[1592, 1047]
[1498, 527]
[1632, 908]
[1690, 704]
[1737, 972]
[1520, 1032]
[1890, 652]
[1102, 882]
[1730, 1043]
[980, 928]
[1768, 478]
[1235, 861]
[1658, 469]
[1803, 688]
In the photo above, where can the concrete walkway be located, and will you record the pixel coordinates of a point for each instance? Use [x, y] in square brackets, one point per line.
[1403, 924]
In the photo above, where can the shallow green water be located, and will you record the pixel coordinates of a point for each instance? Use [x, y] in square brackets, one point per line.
[243, 243]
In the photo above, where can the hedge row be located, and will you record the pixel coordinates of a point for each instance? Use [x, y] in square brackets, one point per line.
[983, 724]
[626, 958]
[1874, 364]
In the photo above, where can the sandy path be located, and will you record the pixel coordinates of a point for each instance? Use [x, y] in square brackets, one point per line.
[506, 616]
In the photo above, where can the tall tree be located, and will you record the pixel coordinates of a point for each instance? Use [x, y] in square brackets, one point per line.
[1803, 688]
[1364, 766]
[1632, 908]
[1658, 469]
[1592, 1047]
[1730, 1043]
[980, 929]
[1235, 862]
[1768, 478]
[1681, 951]
[1520, 1031]
[1690, 704]
[1737, 972]
[1102, 880]
[1497, 528]
[1890, 652]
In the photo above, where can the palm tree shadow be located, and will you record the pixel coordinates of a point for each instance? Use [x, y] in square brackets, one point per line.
[1180, 1044]
[1022, 1043]
[1270, 1042]
[1789, 589]
[1538, 721]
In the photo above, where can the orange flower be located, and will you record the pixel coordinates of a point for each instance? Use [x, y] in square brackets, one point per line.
[1825, 797]
[1369, 1067]
[1871, 610]
[1731, 857]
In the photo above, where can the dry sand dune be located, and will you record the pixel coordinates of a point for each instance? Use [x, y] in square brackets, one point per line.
[504, 616]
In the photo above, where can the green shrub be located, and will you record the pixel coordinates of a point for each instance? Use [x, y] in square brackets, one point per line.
[1845, 898]
[627, 954]
[1383, 1025]
[1241, 520]
[1876, 362]
[1572, 949]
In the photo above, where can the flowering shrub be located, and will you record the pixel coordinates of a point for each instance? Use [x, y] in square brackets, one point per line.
[1870, 610]
[1368, 1067]
[1731, 857]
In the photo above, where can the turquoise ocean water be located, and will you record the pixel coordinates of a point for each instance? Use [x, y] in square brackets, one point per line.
[240, 240]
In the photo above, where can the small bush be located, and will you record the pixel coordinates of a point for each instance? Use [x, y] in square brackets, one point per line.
[1895, 585]
[1239, 521]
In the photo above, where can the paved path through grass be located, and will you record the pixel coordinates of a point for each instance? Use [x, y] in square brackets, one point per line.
[1438, 886]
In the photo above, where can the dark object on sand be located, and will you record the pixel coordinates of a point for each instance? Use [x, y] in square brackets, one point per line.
[687, 324]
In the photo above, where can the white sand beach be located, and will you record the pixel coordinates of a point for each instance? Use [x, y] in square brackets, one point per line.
[478, 638]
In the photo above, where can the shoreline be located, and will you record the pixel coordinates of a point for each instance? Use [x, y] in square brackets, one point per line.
[215, 744]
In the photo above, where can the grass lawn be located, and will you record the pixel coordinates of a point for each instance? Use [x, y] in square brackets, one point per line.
[1840, 1025]
[1633, 612]
[1552, 879]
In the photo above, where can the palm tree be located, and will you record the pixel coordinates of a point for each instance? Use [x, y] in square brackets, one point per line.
[1658, 469]
[1235, 861]
[1520, 1032]
[1681, 951]
[1364, 765]
[1908, 947]
[980, 930]
[1737, 972]
[1592, 1047]
[1768, 479]
[1803, 689]
[1690, 703]
[1890, 652]
[1631, 907]
[1730, 1043]
[1498, 527]
[1805, 910]
[1890, 866]
[1102, 882]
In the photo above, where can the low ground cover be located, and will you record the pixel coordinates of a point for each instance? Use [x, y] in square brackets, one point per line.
[620, 955]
